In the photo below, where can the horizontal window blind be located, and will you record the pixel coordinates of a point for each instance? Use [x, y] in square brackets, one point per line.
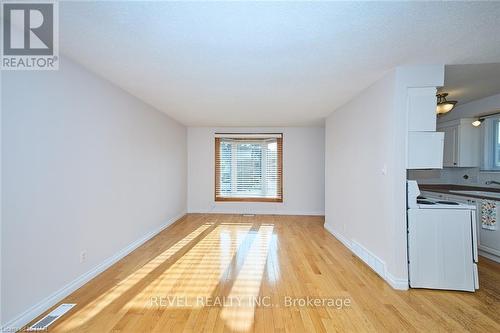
[248, 167]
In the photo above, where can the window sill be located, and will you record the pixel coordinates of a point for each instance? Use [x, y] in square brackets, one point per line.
[248, 199]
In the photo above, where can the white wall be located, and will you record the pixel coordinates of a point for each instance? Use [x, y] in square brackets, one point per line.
[358, 146]
[365, 161]
[85, 167]
[303, 172]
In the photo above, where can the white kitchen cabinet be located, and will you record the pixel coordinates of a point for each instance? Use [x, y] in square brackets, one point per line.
[488, 240]
[461, 143]
[422, 109]
[450, 146]
[425, 150]
[425, 146]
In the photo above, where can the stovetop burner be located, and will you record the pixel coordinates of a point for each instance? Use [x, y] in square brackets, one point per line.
[447, 202]
[425, 202]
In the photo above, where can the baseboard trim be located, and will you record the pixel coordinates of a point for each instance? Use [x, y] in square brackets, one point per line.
[396, 283]
[375, 263]
[490, 256]
[337, 235]
[257, 212]
[42, 306]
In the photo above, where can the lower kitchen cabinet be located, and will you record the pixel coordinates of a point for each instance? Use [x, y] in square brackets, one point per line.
[488, 240]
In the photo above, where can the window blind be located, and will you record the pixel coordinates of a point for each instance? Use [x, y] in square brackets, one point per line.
[490, 130]
[248, 167]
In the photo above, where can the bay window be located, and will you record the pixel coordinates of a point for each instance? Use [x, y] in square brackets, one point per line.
[248, 167]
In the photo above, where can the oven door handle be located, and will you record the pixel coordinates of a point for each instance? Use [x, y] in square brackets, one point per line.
[474, 235]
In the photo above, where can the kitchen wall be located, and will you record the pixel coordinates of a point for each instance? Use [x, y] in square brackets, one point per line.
[303, 172]
[365, 166]
[459, 176]
[456, 175]
[85, 167]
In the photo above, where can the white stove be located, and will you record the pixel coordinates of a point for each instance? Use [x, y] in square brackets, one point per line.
[435, 203]
[442, 247]
[415, 200]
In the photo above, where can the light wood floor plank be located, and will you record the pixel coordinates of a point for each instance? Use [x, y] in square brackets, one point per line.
[230, 257]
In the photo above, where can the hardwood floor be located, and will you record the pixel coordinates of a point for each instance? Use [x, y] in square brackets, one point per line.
[173, 282]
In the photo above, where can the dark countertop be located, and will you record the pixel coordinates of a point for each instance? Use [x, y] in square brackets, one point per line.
[445, 188]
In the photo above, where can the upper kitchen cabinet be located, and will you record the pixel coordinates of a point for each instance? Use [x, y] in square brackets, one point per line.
[461, 143]
[425, 150]
[422, 109]
[425, 145]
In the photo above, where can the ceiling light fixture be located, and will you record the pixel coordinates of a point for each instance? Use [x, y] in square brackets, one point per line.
[444, 106]
[477, 123]
[481, 118]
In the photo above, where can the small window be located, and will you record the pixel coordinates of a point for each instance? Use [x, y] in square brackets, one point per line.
[248, 167]
[491, 140]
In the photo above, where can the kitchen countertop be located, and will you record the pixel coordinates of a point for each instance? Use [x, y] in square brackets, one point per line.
[445, 188]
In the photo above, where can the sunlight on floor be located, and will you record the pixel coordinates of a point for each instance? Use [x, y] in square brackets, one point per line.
[196, 274]
[240, 315]
[93, 308]
[256, 258]
[230, 252]
[272, 265]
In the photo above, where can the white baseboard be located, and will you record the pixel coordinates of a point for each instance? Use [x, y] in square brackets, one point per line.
[42, 306]
[375, 263]
[489, 256]
[396, 283]
[256, 212]
[342, 239]
[369, 258]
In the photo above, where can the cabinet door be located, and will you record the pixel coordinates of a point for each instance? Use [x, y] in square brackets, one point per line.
[469, 145]
[450, 146]
[425, 150]
[422, 109]
[488, 240]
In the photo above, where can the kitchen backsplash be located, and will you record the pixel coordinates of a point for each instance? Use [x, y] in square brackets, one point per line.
[459, 176]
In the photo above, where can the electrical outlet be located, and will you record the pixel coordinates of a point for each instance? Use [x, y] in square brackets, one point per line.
[83, 257]
[384, 170]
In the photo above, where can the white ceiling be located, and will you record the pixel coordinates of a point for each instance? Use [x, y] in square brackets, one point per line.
[466, 83]
[268, 64]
